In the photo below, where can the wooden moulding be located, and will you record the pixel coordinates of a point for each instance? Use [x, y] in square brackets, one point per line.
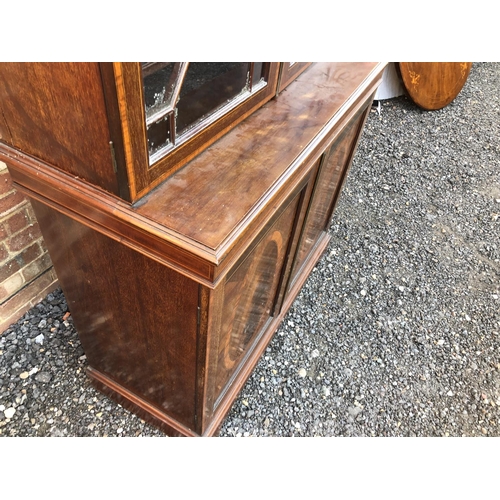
[137, 405]
[108, 214]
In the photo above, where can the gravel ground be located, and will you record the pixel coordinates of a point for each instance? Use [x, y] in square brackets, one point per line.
[396, 331]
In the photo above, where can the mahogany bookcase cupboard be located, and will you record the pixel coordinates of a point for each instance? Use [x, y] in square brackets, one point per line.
[181, 235]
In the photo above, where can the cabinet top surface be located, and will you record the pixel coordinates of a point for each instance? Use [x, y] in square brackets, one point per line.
[211, 198]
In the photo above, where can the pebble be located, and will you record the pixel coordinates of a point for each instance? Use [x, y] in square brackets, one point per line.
[9, 412]
[39, 339]
[354, 411]
[302, 372]
[43, 377]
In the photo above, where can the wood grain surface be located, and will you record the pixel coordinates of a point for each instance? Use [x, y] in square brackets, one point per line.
[433, 85]
[143, 176]
[249, 295]
[289, 72]
[56, 112]
[136, 319]
[219, 189]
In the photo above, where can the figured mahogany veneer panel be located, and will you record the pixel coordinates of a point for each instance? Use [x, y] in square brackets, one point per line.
[249, 295]
[326, 190]
[136, 319]
[211, 196]
[46, 120]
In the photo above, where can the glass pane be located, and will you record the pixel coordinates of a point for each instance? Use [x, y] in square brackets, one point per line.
[158, 83]
[257, 73]
[158, 134]
[206, 87]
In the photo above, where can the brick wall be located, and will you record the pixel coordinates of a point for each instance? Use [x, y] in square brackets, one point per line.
[26, 272]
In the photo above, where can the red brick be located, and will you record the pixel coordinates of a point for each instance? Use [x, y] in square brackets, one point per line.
[31, 213]
[16, 306]
[3, 232]
[3, 252]
[24, 238]
[5, 183]
[15, 302]
[37, 267]
[11, 201]
[11, 286]
[18, 300]
[17, 221]
[9, 269]
[29, 254]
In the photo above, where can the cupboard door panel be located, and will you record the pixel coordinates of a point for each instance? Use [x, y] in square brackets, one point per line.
[326, 190]
[249, 295]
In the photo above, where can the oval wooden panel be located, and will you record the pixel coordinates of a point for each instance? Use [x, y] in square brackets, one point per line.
[433, 85]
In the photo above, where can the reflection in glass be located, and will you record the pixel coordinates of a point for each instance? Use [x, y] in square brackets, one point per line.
[158, 84]
[257, 73]
[206, 87]
[158, 134]
[179, 96]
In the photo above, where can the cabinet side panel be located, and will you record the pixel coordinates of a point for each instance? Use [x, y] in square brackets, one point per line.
[137, 319]
[56, 112]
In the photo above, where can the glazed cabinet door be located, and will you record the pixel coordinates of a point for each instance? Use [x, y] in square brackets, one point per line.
[163, 114]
